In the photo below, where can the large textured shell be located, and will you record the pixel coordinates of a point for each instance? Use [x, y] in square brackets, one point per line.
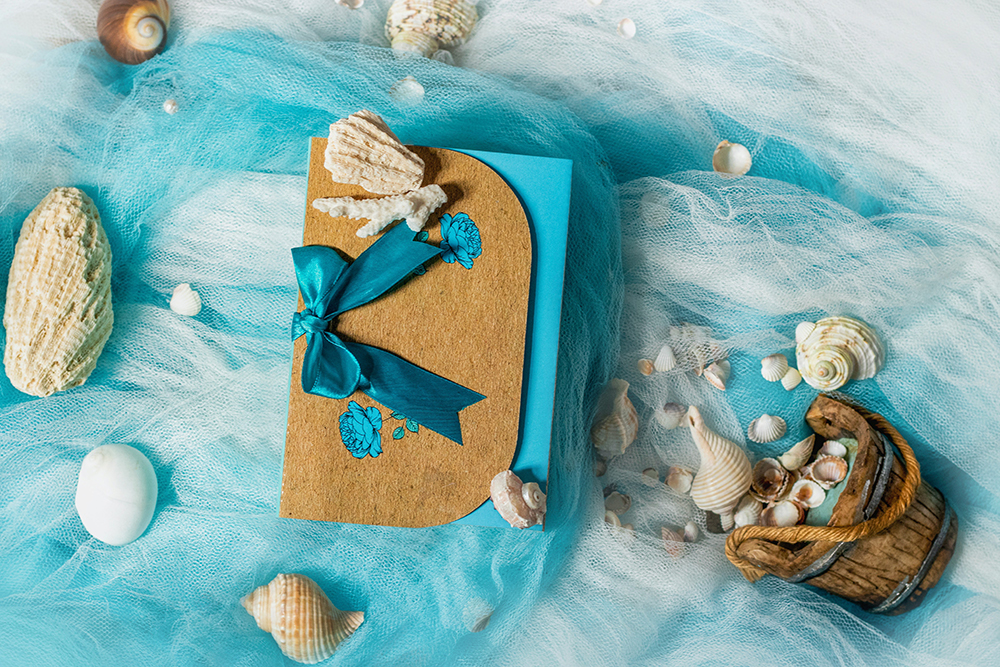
[58, 314]
[133, 31]
[362, 150]
[616, 422]
[836, 350]
[424, 26]
[306, 625]
[520, 505]
[724, 475]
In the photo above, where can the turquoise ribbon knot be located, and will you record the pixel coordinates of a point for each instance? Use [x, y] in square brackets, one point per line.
[336, 368]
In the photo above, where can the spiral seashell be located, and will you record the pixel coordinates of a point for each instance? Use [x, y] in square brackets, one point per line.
[665, 360]
[717, 373]
[773, 367]
[833, 448]
[670, 415]
[533, 497]
[797, 456]
[785, 513]
[301, 618]
[725, 473]
[616, 422]
[748, 512]
[769, 480]
[425, 26]
[679, 479]
[519, 506]
[133, 31]
[731, 159]
[791, 379]
[185, 301]
[766, 428]
[828, 471]
[839, 349]
[807, 493]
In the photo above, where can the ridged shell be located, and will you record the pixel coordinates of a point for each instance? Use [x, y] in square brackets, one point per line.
[798, 456]
[773, 367]
[717, 373]
[828, 471]
[679, 479]
[839, 349]
[724, 475]
[301, 618]
[424, 26]
[748, 512]
[833, 448]
[133, 31]
[617, 502]
[616, 422]
[766, 428]
[665, 360]
[769, 480]
[58, 313]
[670, 415]
[785, 513]
[520, 505]
[791, 379]
[645, 366]
[185, 301]
[362, 150]
[807, 493]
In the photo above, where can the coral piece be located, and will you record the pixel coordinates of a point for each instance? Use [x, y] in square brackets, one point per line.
[362, 150]
[521, 505]
[133, 31]
[116, 493]
[773, 367]
[717, 373]
[798, 455]
[58, 313]
[616, 422]
[791, 379]
[185, 301]
[766, 428]
[731, 159]
[670, 415]
[415, 207]
[725, 473]
[425, 26]
[838, 349]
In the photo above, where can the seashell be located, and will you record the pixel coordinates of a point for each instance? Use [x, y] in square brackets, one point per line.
[646, 367]
[725, 473]
[133, 31]
[791, 379]
[626, 28]
[665, 359]
[690, 531]
[672, 540]
[785, 513]
[612, 518]
[185, 301]
[797, 456]
[415, 207]
[694, 346]
[731, 159]
[362, 150]
[618, 503]
[443, 56]
[301, 618]
[116, 493]
[833, 448]
[670, 415]
[351, 4]
[766, 428]
[773, 367]
[807, 493]
[748, 512]
[650, 476]
[519, 506]
[769, 481]
[58, 313]
[407, 92]
[828, 471]
[717, 373]
[803, 330]
[477, 614]
[616, 422]
[679, 479]
[839, 349]
[170, 106]
[424, 26]
[600, 467]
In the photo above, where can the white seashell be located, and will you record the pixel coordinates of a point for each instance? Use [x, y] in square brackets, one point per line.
[116, 493]
[351, 4]
[533, 497]
[833, 448]
[766, 428]
[58, 313]
[670, 415]
[425, 26]
[509, 498]
[301, 618]
[798, 456]
[691, 532]
[672, 540]
[731, 159]
[785, 513]
[773, 367]
[170, 106]
[626, 28]
[618, 503]
[612, 518]
[133, 31]
[646, 366]
[415, 207]
[791, 379]
[616, 422]
[600, 467]
[362, 150]
[650, 476]
[717, 373]
[665, 360]
[803, 330]
[185, 301]
[839, 349]
[747, 512]
[808, 493]
[408, 92]
[679, 479]
[828, 471]
[725, 473]
[477, 614]
[770, 480]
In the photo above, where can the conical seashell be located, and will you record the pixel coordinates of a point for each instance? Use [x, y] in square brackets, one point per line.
[425, 26]
[645, 366]
[650, 476]
[717, 373]
[616, 422]
[766, 428]
[773, 367]
[58, 313]
[791, 379]
[679, 479]
[520, 507]
[612, 518]
[665, 360]
[828, 471]
[785, 513]
[808, 493]
[839, 349]
[185, 301]
[748, 512]
[670, 415]
[797, 456]
[362, 150]
[301, 618]
[769, 480]
[618, 503]
[833, 448]
[724, 475]
[133, 31]
[731, 159]
[690, 532]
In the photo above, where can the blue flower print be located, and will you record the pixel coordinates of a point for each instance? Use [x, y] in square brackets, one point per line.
[460, 240]
[359, 430]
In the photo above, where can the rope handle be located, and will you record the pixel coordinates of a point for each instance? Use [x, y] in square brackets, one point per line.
[877, 524]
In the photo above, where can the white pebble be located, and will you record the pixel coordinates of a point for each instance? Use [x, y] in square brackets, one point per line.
[626, 28]
[116, 493]
[170, 106]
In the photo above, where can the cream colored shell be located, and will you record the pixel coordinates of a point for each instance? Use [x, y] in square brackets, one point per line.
[424, 26]
[724, 475]
[520, 505]
[766, 428]
[838, 349]
[58, 313]
[362, 150]
[616, 422]
[798, 456]
[773, 367]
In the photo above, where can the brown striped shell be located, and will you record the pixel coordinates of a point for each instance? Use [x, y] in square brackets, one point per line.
[616, 423]
[133, 31]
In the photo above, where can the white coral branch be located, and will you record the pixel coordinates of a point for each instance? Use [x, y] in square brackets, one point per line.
[415, 207]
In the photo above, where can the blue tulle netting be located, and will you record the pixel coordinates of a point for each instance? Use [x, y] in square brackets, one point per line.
[872, 194]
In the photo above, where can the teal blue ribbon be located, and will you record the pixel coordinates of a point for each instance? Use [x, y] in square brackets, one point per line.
[337, 368]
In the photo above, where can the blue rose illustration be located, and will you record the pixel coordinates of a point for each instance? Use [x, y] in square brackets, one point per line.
[460, 240]
[359, 430]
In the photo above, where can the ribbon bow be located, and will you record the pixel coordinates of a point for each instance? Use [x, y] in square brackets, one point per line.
[336, 368]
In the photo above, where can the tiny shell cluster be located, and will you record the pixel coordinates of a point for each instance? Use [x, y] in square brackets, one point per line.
[425, 26]
[691, 347]
[521, 505]
[834, 350]
[362, 150]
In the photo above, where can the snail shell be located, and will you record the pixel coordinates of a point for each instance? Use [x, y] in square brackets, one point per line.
[521, 505]
[133, 31]
[838, 349]
[725, 473]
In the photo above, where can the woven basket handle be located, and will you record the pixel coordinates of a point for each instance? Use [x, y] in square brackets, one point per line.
[877, 524]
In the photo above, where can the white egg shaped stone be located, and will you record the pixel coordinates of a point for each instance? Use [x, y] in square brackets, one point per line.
[116, 493]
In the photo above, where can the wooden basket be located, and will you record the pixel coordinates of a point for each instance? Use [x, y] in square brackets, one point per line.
[889, 538]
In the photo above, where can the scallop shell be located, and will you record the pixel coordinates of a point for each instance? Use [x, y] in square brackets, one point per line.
[670, 415]
[600, 467]
[839, 349]
[798, 456]
[672, 540]
[133, 31]
[58, 313]
[748, 512]
[773, 367]
[724, 475]
[791, 379]
[520, 505]
[679, 479]
[803, 330]
[415, 207]
[301, 618]
[785, 513]
[833, 448]
[717, 373]
[618, 503]
[808, 493]
[731, 159]
[665, 360]
[769, 480]
[766, 428]
[362, 150]
[616, 422]
[828, 471]
[185, 301]
[425, 26]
